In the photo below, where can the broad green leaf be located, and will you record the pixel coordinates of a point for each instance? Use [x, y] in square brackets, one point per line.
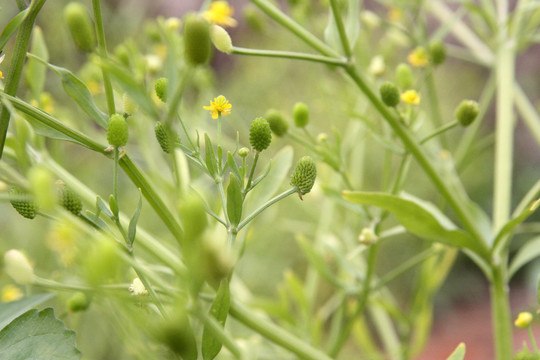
[35, 70]
[231, 164]
[12, 310]
[11, 27]
[38, 335]
[418, 217]
[132, 229]
[525, 254]
[211, 346]
[78, 91]
[459, 353]
[234, 201]
[510, 226]
[210, 156]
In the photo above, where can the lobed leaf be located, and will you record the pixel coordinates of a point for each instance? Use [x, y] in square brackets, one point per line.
[12, 310]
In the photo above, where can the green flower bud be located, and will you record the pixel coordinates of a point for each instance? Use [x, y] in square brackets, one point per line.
[197, 39]
[161, 87]
[243, 152]
[301, 115]
[69, 200]
[221, 39]
[304, 175]
[466, 112]
[260, 134]
[437, 52]
[166, 139]
[404, 76]
[122, 54]
[367, 236]
[390, 94]
[80, 26]
[278, 124]
[18, 268]
[78, 302]
[130, 106]
[117, 131]
[23, 203]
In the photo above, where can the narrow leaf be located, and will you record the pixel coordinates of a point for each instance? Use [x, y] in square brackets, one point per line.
[132, 229]
[509, 227]
[211, 346]
[459, 353]
[11, 27]
[234, 201]
[210, 156]
[525, 254]
[35, 70]
[352, 23]
[231, 164]
[101, 205]
[113, 205]
[12, 310]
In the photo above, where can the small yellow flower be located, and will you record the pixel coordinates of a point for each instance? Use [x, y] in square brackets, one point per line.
[418, 57]
[11, 293]
[411, 97]
[220, 13]
[394, 14]
[219, 107]
[523, 320]
[137, 288]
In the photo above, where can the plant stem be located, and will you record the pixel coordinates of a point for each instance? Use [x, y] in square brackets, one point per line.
[440, 130]
[434, 105]
[289, 55]
[270, 202]
[500, 308]
[532, 339]
[15, 69]
[341, 28]
[252, 172]
[115, 175]
[102, 48]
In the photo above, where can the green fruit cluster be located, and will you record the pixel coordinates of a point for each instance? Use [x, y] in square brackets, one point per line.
[23, 203]
[260, 134]
[117, 131]
[304, 175]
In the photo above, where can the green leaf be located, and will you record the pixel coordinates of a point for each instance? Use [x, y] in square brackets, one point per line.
[231, 164]
[210, 156]
[78, 91]
[132, 229]
[101, 205]
[38, 335]
[352, 23]
[525, 254]
[113, 205]
[459, 353]
[35, 70]
[419, 217]
[234, 201]
[11, 27]
[12, 310]
[510, 226]
[211, 346]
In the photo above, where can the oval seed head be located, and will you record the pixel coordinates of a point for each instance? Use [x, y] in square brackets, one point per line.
[78, 302]
[130, 106]
[197, 39]
[117, 131]
[166, 139]
[243, 152]
[390, 94]
[404, 76]
[437, 52]
[221, 39]
[23, 203]
[161, 87]
[467, 112]
[301, 115]
[260, 134]
[278, 124]
[304, 175]
[18, 267]
[80, 26]
[69, 200]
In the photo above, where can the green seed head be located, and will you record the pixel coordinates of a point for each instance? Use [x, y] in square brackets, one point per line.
[80, 26]
[243, 152]
[221, 39]
[304, 175]
[301, 115]
[162, 89]
[277, 122]
[130, 106]
[404, 76]
[23, 203]
[390, 94]
[117, 131]
[69, 200]
[437, 52]
[166, 139]
[197, 39]
[467, 112]
[260, 134]
[78, 302]
[122, 54]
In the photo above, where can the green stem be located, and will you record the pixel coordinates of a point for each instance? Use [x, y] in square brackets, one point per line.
[150, 290]
[223, 198]
[528, 113]
[102, 48]
[440, 130]
[15, 69]
[532, 339]
[276, 334]
[252, 172]
[434, 105]
[341, 28]
[115, 175]
[289, 55]
[270, 202]
[502, 321]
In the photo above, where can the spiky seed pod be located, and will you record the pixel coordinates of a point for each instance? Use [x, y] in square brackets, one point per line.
[117, 131]
[404, 76]
[301, 115]
[161, 87]
[277, 122]
[69, 200]
[304, 175]
[467, 112]
[197, 39]
[390, 94]
[260, 134]
[80, 26]
[23, 203]
[130, 106]
[166, 140]
[437, 52]
[78, 302]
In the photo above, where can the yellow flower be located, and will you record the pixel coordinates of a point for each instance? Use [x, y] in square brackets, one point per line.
[220, 13]
[394, 14]
[219, 107]
[418, 57]
[411, 97]
[11, 293]
[523, 320]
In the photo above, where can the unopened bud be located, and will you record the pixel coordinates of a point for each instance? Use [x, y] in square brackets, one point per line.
[18, 268]
[197, 39]
[467, 112]
[301, 115]
[80, 26]
[117, 131]
[367, 236]
[221, 39]
[390, 94]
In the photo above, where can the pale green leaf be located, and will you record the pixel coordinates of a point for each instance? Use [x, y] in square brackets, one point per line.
[11, 27]
[211, 346]
[210, 156]
[11, 310]
[525, 254]
[231, 164]
[132, 228]
[459, 353]
[511, 225]
[234, 201]
[35, 70]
